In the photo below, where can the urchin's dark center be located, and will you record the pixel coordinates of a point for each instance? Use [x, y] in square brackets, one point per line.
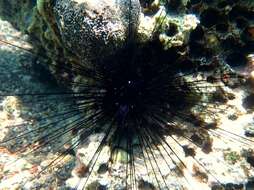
[140, 83]
[126, 92]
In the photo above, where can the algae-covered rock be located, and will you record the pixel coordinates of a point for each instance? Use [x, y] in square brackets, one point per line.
[20, 14]
[172, 29]
[93, 29]
[85, 31]
[74, 31]
[36, 19]
[176, 30]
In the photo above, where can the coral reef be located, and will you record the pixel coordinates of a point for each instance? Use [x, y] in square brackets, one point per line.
[74, 32]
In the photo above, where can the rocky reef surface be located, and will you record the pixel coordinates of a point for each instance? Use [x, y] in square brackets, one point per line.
[74, 32]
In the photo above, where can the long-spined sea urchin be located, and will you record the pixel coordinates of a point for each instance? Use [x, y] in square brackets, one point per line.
[145, 108]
